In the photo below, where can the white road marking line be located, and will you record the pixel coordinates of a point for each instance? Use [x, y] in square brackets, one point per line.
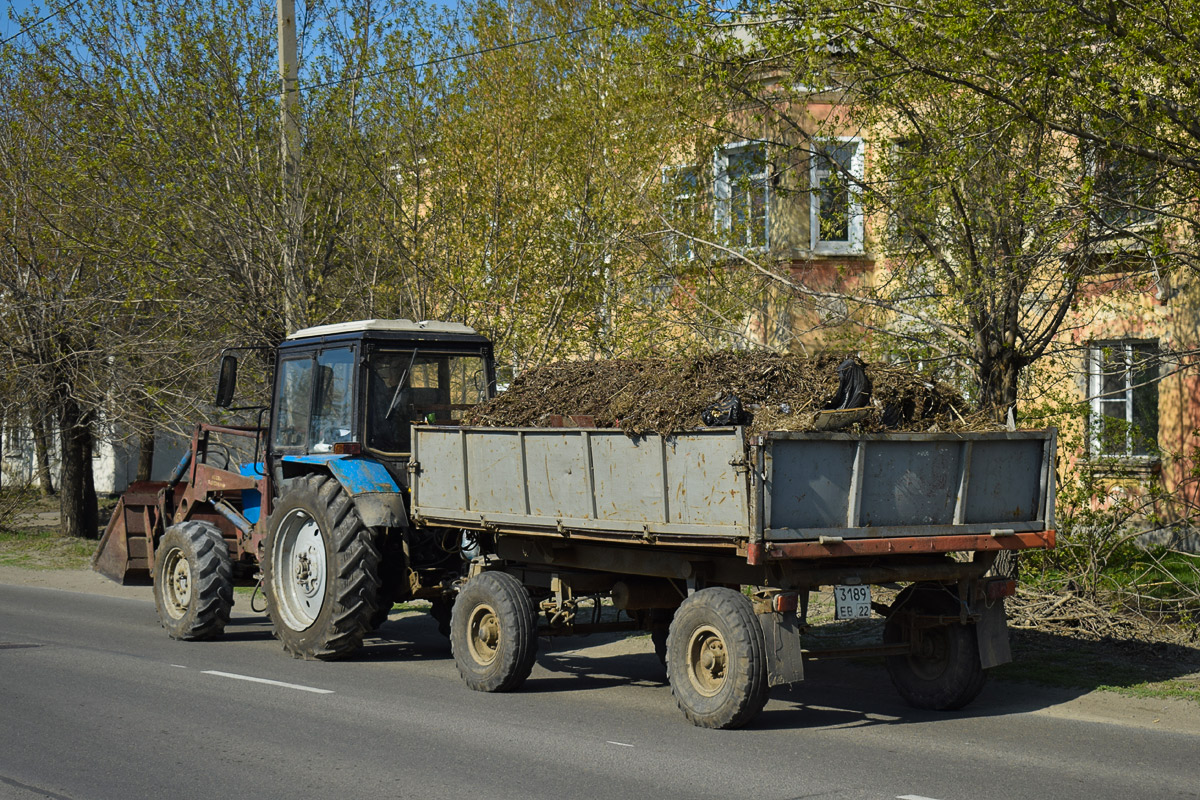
[913, 797]
[237, 677]
[179, 666]
[619, 744]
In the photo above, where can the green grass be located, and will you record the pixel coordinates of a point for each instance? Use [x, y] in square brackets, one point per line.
[44, 549]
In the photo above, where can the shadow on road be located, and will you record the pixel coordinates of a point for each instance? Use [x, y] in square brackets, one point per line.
[411, 636]
[834, 694]
[572, 671]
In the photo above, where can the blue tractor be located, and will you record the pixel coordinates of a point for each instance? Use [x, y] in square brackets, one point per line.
[317, 515]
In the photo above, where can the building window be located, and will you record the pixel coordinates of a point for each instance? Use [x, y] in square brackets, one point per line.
[1125, 190]
[743, 198]
[681, 186]
[913, 205]
[836, 217]
[1123, 393]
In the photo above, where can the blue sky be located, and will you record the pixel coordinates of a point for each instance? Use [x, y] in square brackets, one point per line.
[8, 28]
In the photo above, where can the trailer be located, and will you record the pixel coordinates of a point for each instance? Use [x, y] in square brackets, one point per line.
[727, 537]
[364, 488]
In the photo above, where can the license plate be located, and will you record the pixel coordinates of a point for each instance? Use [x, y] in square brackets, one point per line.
[851, 602]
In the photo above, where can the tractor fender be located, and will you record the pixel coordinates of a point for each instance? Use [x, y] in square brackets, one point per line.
[376, 495]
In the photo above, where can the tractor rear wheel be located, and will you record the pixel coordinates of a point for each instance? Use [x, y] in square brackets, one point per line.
[193, 581]
[320, 571]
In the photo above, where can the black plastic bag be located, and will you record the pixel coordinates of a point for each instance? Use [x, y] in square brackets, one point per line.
[854, 387]
[726, 411]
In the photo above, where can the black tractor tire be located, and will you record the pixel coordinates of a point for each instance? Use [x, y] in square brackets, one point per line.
[393, 576]
[945, 673]
[658, 638]
[383, 610]
[493, 633]
[716, 659]
[320, 571]
[193, 581]
[442, 610]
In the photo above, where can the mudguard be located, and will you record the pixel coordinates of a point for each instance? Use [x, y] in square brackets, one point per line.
[377, 496]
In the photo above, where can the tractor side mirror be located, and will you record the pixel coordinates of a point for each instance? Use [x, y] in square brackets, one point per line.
[227, 380]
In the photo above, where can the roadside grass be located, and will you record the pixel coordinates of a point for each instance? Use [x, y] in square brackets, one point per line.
[44, 549]
[1129, 667]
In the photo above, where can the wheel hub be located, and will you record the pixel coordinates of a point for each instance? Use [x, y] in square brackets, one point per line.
[930, 655]
[708, 661]
[300, 580]
[483, 634]
[179, 584]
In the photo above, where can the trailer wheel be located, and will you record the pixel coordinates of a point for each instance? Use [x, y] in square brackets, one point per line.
[493, 633]
[320, 571]
[193, 581]
[716, 659]
[943, 672]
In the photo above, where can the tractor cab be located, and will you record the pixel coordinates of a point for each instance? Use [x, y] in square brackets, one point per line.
[356, 388]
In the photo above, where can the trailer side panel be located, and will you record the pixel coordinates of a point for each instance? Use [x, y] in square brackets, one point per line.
[691, 484]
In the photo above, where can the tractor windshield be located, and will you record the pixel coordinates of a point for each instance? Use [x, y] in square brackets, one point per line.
[416, 386]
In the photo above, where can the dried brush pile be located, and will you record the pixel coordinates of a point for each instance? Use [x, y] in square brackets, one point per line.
[776, 392]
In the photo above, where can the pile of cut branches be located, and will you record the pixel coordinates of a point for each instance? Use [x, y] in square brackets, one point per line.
[776, 392]
[1110, 616]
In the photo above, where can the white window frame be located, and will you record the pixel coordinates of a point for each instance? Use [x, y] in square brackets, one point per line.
[682, 246]
[853, 245]
[723, 192]
[1098, 400]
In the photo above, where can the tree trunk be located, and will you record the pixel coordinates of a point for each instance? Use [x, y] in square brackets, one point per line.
[145, 457]
[77, 493]
[998, 378]
[41, 447]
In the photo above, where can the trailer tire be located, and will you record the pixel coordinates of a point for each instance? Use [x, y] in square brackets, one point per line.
[193, 581]
[716, 659]
[493, 633]
[946, 674]
[659, 622]
[320, 571]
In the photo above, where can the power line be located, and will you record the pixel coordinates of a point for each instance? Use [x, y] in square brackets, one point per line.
[47, 18]
[446, 59]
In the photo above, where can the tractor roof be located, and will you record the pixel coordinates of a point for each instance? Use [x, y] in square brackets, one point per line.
[383, 326]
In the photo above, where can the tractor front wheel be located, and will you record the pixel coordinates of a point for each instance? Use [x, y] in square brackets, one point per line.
[193, 581]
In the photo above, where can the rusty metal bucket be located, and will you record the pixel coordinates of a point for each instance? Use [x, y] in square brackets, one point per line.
[126, 550]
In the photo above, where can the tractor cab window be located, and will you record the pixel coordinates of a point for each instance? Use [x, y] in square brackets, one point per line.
[315, 400]
[408, 387]
[332, 406]
[295, 402]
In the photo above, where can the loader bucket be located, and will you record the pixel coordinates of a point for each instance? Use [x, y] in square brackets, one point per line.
[125, 552]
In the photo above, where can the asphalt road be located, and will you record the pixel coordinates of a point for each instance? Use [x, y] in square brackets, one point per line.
[97, 702]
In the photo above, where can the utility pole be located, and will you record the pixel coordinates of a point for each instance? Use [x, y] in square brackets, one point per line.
[295, 292]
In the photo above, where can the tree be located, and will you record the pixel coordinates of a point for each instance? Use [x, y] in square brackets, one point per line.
[988, 215]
